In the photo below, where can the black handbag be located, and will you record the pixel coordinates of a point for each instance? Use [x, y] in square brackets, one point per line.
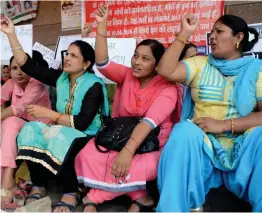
[115, 132]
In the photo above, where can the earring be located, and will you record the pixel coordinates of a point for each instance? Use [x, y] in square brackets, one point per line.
[84, 68]
[237, 45]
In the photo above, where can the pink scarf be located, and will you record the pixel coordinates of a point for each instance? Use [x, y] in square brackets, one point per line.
[137, 101]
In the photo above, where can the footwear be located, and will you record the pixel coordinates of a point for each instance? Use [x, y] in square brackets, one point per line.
[67, 205]
[20, 197]
[200, 209]
[16, 195]
[36, 196]
[142, 207]
[12, 205]
[24, 185]
[90, 204]
[22, 190]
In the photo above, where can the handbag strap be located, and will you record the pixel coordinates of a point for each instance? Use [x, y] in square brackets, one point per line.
[100, 150]
[108, 150]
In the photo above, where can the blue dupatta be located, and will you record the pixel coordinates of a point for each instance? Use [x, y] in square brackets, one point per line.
[247, 71]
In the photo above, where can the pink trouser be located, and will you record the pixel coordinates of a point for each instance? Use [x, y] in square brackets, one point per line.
[9, 131]
[94, 167]
[100, 196]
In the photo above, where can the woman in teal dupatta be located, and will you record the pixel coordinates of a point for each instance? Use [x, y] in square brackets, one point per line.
[49, 150]
[219, 139]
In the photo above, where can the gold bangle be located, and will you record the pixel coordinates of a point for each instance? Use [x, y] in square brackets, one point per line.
[105, 36]
[20, 64]
[181, 40]
[57, 118]
[232, 126]
[135, 142]
[129, 151]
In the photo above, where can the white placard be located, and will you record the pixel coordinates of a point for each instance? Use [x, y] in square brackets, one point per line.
[48, 55]
[63, 43]
[25, 36]
[120, 50]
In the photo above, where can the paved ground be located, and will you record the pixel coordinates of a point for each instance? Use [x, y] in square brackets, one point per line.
[218, 200]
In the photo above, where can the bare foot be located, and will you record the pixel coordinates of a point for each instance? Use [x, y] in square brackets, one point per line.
[145, 200]
[69, 199]
[91, 208]
[39, 191]
[7, 187]
[6, 196]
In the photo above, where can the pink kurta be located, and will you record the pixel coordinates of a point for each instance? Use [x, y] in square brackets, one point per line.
[93, 168]
[34, 93]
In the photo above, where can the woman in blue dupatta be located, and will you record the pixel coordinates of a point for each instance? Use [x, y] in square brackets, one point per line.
[219, 139]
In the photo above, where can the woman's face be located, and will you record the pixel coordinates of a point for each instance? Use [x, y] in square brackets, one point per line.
[17, 74]
[6, 73]
[27, 5]
[74, 61]
[143, 62]
[223, 42]
[191, 52]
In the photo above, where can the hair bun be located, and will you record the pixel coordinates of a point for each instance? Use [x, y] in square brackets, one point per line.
[252, 39]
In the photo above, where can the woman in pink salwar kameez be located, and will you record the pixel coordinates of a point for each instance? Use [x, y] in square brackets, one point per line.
[20, 91]
[140, 92]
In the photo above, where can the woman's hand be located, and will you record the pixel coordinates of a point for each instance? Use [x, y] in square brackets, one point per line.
[101, 14]
[210, 125]
[86, 30]
[7, 26]
[37, 111]
[122, 163]
[188, 25]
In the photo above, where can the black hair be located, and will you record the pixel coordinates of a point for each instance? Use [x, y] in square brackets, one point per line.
[238, 25]
[64, 5]
[11, 60]
[157, 48]
[37, 57]
[183, 53]
[87, 52]
[8, 5]
[5, 66]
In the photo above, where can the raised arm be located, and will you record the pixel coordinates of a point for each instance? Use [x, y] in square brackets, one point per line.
[114, 72]
[169, 66]
[29, 66]
[101, 49]
[46, 75]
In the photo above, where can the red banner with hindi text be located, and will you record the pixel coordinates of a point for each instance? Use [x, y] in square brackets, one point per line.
[155, 19]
